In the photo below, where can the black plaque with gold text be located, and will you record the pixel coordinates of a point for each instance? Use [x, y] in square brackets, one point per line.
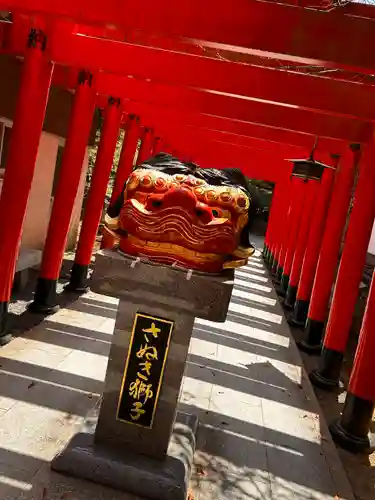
[144, 369]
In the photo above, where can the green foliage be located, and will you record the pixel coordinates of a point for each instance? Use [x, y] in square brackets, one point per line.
[264, 191]
[266, 186]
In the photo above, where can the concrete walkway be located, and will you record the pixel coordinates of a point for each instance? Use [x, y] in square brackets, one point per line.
[261, 435]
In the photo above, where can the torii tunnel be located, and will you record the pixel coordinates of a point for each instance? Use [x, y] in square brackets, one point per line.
[245, 84]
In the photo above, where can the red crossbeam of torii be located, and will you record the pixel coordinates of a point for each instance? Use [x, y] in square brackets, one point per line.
[250, 111]
[208, 103]
[256, 164]
[154, 116]
[163, 66]
[173, 131]
[305, 36]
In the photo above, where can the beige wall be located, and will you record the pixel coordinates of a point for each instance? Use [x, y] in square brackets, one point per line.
[74, 225]
[38, 207]
[371, 248]
[40, 201]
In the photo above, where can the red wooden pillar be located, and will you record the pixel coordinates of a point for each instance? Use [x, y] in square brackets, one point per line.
[19, 170]
[45, 299]
[296, 209]
[265, 252]
[273, 250]
[95, 199]
[280, 208]
[125, 167]
[329, 254]
[314, 242]
[276, 260]
[168, 149]
[126, 162]
[145, 151]
[281, 229]
[269, 239]
[158, 146]
[352, 430]
[303, 233]
[349, 276]
[285, 233]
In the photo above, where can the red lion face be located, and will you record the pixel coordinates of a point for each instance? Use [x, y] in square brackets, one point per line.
[182, 219]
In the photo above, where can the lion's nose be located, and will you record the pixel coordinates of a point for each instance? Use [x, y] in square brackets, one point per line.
[180, 197]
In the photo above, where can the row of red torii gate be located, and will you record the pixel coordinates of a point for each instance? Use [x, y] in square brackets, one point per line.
[249, 85]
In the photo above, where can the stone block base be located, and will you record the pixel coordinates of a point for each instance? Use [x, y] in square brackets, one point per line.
[133, 473]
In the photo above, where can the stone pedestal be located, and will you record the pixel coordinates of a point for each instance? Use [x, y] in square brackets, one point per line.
[135, 442]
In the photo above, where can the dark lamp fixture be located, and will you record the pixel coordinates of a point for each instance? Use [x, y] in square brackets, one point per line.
[309, 169]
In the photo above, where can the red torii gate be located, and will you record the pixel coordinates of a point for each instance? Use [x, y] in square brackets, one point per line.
[254, 82]
[291, 34]
[162, 115]
[259, 164]
[188, 133]
[233, 107]
[334, 97]
[317, 124]
[108, 85]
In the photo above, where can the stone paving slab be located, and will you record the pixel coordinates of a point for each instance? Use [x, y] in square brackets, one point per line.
[261, 434]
